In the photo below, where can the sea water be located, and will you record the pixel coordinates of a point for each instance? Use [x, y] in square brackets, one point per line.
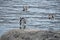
[36, 16]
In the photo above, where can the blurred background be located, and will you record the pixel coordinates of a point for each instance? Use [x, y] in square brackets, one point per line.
[36, 16]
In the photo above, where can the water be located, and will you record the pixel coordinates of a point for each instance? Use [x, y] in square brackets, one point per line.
[37, 15]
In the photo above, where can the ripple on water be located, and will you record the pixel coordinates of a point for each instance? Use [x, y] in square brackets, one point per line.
[11, 11]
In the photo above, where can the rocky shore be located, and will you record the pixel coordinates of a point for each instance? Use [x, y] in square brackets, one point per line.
[18, 34]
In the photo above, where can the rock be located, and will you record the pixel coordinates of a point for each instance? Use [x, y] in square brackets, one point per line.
[29, 35]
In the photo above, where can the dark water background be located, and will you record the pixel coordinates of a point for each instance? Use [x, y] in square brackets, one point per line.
[37, 15]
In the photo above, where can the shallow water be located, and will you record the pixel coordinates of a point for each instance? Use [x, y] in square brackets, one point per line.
[37, 15]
